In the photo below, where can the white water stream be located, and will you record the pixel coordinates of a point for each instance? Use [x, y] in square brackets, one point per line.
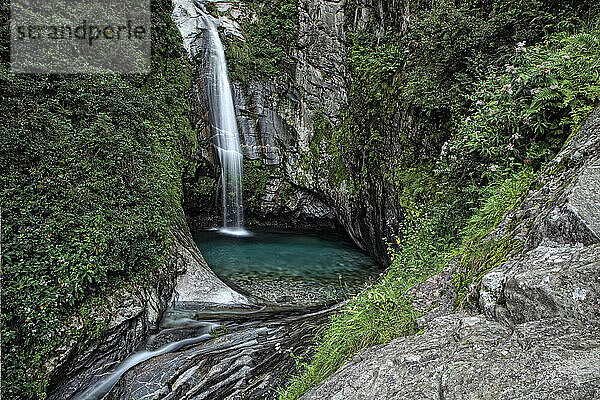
[99, 390]
[225, 132]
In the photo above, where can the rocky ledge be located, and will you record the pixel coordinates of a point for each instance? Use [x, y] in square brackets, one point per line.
[534, 332]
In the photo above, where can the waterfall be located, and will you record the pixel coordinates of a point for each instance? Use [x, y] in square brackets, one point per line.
[225, 133]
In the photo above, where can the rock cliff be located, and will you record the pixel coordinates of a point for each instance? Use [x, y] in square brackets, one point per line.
[536, 332]
[281, 119]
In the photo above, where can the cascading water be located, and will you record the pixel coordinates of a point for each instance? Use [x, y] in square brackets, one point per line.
[225, 133]
[104, 385]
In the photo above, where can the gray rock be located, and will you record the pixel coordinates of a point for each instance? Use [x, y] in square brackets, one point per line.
[551, 282]
[244, 363]
[131, 313]
[475, 358]
[197, 283]
[539, 336]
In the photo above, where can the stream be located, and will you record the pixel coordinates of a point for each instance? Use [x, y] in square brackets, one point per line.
[207, 354]
[230, 353]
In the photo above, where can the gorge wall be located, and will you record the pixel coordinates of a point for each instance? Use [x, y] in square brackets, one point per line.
[534, 331]
[291, 179]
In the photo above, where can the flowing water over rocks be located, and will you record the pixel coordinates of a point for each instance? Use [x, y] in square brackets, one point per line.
[106, 381]
[224, 131]
[248, 360]
[212, 343]
[204, 352]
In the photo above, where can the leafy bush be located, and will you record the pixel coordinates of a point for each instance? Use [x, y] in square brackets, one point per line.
[469, 80]
[523, 113]
[90, 184]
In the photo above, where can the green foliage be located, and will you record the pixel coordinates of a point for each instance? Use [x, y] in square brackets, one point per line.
[413, 87]
[449, 71]
[269, 40]
[254, 181]
[478, 254]
[90, 183]
[199, 188]
[211, 8]
[500, 198]
[524, 111]
[373, 317]
[381, 312]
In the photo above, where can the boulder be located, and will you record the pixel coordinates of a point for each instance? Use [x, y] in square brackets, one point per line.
[473, 357]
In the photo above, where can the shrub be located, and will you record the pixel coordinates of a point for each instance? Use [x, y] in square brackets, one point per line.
[91, 183]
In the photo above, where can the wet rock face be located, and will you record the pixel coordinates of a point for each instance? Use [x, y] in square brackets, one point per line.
[244, 363]
[285, 207]
[129, 314]
[539, 334]
[196, 282]
[134, 311]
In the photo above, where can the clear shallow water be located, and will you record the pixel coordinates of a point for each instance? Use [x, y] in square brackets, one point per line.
[291, 258]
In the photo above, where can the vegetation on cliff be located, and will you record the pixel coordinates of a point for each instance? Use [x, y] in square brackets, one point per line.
[478, 95]
[90, 184]
[270, 36]
[495, 89]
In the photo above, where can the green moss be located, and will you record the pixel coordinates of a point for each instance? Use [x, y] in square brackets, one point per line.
[266, 52]
[560, 166]
[249, 114]
[211, 8]
[255, 179]
[321, 127]
[91, 184]
[481, 253]
[326, 158]
[476, 261]
[220, 331]
[199, 187]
